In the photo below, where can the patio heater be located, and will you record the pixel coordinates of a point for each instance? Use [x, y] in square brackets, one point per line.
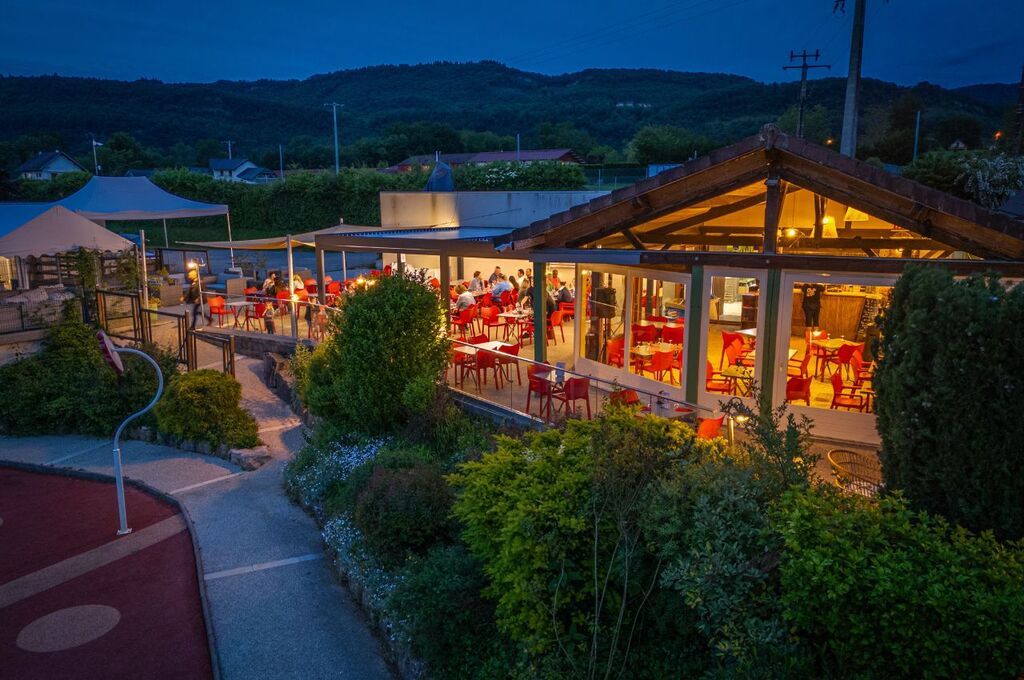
[111, 354]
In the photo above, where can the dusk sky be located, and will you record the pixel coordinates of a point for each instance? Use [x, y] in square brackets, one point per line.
[949, 42]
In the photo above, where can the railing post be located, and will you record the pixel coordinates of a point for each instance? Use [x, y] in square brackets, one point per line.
[540, 319]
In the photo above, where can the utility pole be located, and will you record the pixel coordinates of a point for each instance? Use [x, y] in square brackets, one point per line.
[803, 56]
[334, 109]
[917, 133]
[1019, 144]
[280, 159]
[95, 159]
[517, 148]
[229, 142]
[848, 142]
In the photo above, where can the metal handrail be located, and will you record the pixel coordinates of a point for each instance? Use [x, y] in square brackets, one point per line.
[652, 397]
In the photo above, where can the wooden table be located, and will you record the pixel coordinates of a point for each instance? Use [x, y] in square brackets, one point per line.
[741, 376]
[829, 348]
[517, 314]
[647, 350]
[752, 354]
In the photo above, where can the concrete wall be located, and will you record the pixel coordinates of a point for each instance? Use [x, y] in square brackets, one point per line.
[475, 208]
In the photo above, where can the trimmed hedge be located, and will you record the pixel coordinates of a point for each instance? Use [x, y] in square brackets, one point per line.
[204, 405]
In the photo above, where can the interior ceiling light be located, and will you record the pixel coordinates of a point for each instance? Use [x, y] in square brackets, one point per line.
[854, 215]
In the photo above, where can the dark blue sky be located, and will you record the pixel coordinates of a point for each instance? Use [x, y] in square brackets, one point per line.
[950, 42]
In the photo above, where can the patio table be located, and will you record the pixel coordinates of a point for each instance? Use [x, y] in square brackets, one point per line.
[471, 350]
[647, 350]
[741, 376]
[237, 306]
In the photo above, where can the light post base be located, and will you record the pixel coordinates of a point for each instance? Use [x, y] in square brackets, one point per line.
[123, 532]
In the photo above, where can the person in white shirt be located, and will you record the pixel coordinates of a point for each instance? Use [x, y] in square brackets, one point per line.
[465, 299]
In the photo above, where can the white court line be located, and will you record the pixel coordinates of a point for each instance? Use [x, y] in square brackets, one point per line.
[262, 565]
[82, 452]
[280, 427]
[208, 481]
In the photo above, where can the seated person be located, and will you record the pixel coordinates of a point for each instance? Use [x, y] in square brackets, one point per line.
[564, 294]
[270, 284]
[465, 299]
[476, 283]
[502, 286]
[495, 276]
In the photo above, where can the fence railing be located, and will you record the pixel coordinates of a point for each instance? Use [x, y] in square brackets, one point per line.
[225, 343]
[119, 313]
[290, 318]
[25, 316]
[551, 392]
[167, 330]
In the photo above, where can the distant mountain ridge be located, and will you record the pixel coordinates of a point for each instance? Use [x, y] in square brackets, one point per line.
[610, 104]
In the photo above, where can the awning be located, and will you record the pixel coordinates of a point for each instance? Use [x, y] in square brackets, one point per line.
[44, 229]
[134, 198]
[306, 239]
[466, 241]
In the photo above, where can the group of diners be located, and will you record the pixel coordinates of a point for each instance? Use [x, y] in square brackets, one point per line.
[838, 360]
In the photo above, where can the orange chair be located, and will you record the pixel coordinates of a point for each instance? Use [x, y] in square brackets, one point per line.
[616, 351]
[710, 428]
[728, 338]
[334, 288]
[715, 382]
[797, 368]
[657, 318]
[255, 316]
[216, 308]
[660, 364]
[572, 391]
[846, 396]
[799, 388]
[624, 398]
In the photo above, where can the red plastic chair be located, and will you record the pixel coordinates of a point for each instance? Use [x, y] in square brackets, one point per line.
[673, 335]
[643, 333]
[255, 316]
[624, 398]
[216, 308]
[710, 428]
[842, 357]
[568, 309]
[506, 298]
[555, 321]
[489, 318]
[862, 372]
[799, 388]
[573, 390]
[657, 318]
[464, 321]
[541, 386]
[844, 396]
[616, 351]
[334, 288]
[797, 368]
[659, 364]
[486, 361]
[311, 286]
[715, 382]
[461, 363]
[505, 361]
[435, 283]
[727, 341]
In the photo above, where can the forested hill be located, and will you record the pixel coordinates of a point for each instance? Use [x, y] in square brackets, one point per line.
[609, 104]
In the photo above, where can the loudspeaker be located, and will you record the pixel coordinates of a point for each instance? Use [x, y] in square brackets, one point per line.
[604, 303]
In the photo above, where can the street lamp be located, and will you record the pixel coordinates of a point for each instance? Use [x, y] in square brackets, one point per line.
[111, 355]
[736, 412]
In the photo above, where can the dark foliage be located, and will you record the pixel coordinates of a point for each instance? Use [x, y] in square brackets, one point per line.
[204, 405]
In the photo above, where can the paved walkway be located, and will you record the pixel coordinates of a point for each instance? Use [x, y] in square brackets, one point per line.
[277, 610]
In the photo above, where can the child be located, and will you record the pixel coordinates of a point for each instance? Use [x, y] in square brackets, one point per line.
[268, 318]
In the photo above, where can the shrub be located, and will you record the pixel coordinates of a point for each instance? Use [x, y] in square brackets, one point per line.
[402, 511]
[441, 612]
[950, 384]
[388, 338]
[68, 387]
[204, 405]
[345, 488]
[880, 591]
[554, 517]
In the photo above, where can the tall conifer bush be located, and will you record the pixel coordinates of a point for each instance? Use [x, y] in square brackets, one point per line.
[950, 405]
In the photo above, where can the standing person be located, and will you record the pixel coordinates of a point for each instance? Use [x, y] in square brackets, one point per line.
[812, 303]
[193, 296]
[495, 276]
[268, 317]
[555, 283]
[476, 283]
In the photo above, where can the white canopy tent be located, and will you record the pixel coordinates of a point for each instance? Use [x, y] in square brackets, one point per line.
[45, 229]
[121, 199]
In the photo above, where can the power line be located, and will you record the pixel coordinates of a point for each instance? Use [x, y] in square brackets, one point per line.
[804, 66]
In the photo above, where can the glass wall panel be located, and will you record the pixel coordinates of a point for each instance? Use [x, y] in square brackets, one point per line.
[603, 321]
[733, 303]
[831, 342]
[657, 325]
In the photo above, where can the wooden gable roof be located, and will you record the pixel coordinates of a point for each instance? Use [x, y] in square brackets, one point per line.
[926, 211]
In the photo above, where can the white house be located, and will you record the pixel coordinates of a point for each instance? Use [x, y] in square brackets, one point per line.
[240, 170]
[47, 165]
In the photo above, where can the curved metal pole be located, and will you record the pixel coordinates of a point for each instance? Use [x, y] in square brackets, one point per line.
[118, 478]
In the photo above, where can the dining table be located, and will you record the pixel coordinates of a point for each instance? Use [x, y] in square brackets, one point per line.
[646, 350]
[237, 306]
[658, 324]
[489, 346]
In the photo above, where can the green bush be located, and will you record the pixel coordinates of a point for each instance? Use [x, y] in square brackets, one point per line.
[204, 405]
[443, 615]
[879, 591]
[342, 493]
[388, 338]
[549, 512]
[68, 387]
[403, 511]
[950, 384]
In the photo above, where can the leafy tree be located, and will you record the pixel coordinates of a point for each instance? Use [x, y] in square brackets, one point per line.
[565, 135]
[950, 397]
[817, 127]
[388, 340]
[666, 144]
[511, 176]
[937, 169]
[958, 126]
[485, 140]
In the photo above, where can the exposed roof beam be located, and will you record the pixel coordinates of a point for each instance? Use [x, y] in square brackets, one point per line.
[713, 213]
[633, 240]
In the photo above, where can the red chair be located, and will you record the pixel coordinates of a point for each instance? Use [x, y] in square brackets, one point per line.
[541, 386]
[461, 364]
[715, 382]
[573, 390]
[818, 353]
[624, 398]
[250, 293]
[844, 396]
[862, 372]
[673, 334]
[568, 309]
[728, 339]
[464, 321]
[435, 283]
[505, 361]
[555, 321]
[311, 286]
[216, 307]
[657, 318]
[334, 288]
[799, 388]
[643, 333]
[616, 351]
[506, 298]
[710, 428]
[797, 368]
[486, 361]
[255, 316]
[660, 364]
[842, 357]
[489, 318]
[282, 302]
[478, 339]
